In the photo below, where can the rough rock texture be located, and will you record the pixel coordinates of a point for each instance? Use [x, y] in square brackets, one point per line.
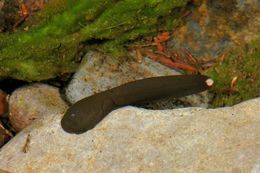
[213, 27]
[138, 140]
[99, 72]
[31, 102]
[2, 171]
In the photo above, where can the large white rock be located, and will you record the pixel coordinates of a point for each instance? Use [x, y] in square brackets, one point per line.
[138, 140]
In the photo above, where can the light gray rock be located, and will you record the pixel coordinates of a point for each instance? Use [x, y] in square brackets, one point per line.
[137, 140]
[33, 101]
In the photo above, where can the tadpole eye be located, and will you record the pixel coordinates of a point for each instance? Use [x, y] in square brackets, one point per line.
[72, 115]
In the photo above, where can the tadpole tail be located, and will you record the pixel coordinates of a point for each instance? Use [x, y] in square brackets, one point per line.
[86, 113]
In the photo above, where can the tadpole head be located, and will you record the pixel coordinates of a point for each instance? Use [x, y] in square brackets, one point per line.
[82, 116]
[86, 114]
[71, 123]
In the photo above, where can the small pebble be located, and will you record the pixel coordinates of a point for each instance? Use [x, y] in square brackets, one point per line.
[32, 102]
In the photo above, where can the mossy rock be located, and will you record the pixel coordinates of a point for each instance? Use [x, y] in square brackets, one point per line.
[50, 46]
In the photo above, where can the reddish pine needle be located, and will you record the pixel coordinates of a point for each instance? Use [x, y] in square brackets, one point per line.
[24, 10]
[160, 39]
[189, 56]
[169, 63]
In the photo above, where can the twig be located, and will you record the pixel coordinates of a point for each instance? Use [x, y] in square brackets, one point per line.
[160, 39]
[139, 56]
[163, 53]
[25, 14]
[193, 60]
[24, 10]
[18, 23]
[144, 45]
[189, 57]
[27, 142]
[232, 85]
[177, 57]
[6, 131]
[222, 58]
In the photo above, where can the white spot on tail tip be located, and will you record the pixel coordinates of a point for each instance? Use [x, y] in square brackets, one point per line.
[209, 82]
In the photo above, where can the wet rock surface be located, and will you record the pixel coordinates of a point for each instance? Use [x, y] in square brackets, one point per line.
[31, 102]
[139, 140]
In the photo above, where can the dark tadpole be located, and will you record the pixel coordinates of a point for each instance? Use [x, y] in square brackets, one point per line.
[88, 112]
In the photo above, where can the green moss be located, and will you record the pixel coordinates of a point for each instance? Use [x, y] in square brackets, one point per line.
[126, 16]
[49, 48]
[38, 60]
[243, 64]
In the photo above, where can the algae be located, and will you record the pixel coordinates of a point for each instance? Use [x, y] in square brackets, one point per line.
[243, 64]
[50, 46]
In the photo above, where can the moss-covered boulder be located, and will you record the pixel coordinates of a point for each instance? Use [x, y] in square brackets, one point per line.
[50, 46]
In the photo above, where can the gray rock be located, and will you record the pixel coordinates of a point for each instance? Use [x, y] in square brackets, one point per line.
[33, 101]
[214, 27]
[138, 140]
